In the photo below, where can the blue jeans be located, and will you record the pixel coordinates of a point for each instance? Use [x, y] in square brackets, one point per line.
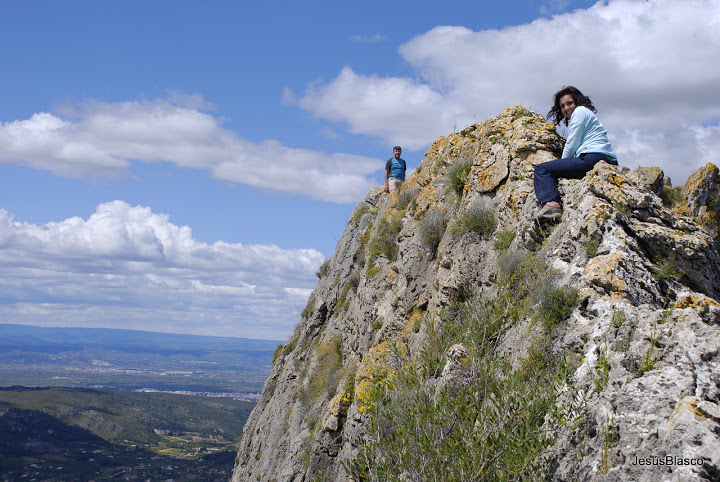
[547, 173]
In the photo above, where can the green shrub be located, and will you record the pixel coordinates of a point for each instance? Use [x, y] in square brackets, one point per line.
[544, 231]
[492, 423]
[416, 326]
[458, 176]
[311, 422]
[618, 318]
[278, 351]
[530, 288]
[647, 362]
[461, 295]
[520, 112]
[666, 270]
[479, 219]
[556, 306]
[354, 279]
[343, 302]
[293, 341]
[432, 229]
[406, 197]
[385, 241]
[610, 437]
[436, 165]
[526, 278]
[308, 307]
[503, 240]
[324, 268]
[592, 245]
[361, 211]
[602, 369]
[671, 196]
[622, 208]
[360, 256]
[492, 428]
[328, 370]
[496, 135]
[539, 356]
[349, 385]
[711, 202]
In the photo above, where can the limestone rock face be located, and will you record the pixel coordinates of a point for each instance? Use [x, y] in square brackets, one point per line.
[648, 273]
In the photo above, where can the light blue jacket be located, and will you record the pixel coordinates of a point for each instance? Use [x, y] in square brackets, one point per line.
[586, 134]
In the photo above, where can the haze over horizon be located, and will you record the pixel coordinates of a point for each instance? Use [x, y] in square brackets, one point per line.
[186, 168]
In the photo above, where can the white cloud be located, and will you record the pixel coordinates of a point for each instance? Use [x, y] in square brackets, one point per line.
[650, 67]
[103, 139]
[126, 266]
[399, 110]
[708, 141]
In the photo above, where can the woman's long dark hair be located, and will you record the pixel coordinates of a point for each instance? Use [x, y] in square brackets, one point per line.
[556, 114]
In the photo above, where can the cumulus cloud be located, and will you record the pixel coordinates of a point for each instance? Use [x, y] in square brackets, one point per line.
[399, 110]
[128, 267]
[650, 67]
[99, 139]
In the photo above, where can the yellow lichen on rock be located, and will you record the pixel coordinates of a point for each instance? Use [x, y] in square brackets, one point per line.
[416, 317]
[601, 271]
[597, 217]
[391, 277]
[697, 408]
[700, 198]
[700, 303]
[698, 185]
[425, 200]
[607, 181]
[491, 172]
[696, 304]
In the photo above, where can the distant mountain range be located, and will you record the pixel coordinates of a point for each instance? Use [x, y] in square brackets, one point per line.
[39, 356]
[42, 336]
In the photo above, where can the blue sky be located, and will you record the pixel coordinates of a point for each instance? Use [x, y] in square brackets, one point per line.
[187, 166]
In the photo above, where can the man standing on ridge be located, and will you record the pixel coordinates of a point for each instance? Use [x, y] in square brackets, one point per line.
[394, 171]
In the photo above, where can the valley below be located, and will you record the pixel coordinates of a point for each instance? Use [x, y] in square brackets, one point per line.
[88, 404]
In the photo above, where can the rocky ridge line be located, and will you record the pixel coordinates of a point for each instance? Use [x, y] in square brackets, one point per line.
[310, 417]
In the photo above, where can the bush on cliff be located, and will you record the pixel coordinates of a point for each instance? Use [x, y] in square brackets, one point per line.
[479, 219]
[385, 241]
[458, 176]
[432, 229]
[489, 422]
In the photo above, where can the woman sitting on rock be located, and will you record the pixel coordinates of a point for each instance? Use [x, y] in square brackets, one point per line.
[587, 144]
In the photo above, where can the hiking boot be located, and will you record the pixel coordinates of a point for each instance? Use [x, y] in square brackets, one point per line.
[549, 212]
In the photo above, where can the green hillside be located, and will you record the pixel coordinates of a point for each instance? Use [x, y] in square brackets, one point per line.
[77, 433]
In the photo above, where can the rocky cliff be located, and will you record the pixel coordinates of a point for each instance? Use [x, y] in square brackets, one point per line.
[452, 337]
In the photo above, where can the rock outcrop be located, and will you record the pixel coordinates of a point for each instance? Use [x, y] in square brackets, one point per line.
[642, 338]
